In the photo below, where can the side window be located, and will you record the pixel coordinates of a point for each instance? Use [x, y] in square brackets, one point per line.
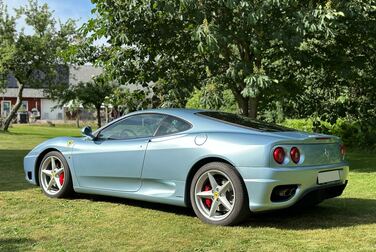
[172, 125]
[136, 126]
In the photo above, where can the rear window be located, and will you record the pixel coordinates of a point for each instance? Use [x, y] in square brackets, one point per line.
[244, 121]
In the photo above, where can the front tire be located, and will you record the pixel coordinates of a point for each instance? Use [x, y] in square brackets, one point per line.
[54, 176]
[218, 196]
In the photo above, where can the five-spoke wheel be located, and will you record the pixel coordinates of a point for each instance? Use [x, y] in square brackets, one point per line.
[54, 175]
[217, 194]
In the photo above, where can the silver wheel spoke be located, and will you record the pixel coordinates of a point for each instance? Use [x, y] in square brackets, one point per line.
[53, 165]
[213, 208]
[57, 182]
[50, 184]
[59, 170]
[47, 172]
[224, 187]
[213, 183]
[225, 203]
[205, 194]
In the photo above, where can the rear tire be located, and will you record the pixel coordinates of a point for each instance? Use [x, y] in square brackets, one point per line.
[218, 195]
[54, 176]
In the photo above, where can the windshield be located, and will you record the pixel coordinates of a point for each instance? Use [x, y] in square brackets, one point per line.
[244, 121]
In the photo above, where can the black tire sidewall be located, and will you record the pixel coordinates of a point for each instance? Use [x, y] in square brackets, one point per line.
[240, 210]
[67, 187]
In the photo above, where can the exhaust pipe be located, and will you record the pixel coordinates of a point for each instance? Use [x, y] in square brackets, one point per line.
[287, 192]
[283, 192]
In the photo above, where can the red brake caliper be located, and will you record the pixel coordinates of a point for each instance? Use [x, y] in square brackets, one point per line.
[61, 178]
[208, 202]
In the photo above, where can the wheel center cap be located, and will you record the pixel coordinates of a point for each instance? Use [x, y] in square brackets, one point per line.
[216, 195]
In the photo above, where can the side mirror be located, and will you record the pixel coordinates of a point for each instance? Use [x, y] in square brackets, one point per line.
[87, 131]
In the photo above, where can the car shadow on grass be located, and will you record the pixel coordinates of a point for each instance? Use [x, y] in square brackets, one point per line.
[16, 244]
[137, 203]
[333, 213]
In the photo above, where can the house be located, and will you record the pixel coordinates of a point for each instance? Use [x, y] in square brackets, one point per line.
[35, 101]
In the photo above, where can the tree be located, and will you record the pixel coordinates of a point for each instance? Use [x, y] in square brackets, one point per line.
[93, 94]
[124, 101]
[149, 50]
[246, 46]
[215, 97]
[34, 60]
[74, 108]
[344, 84]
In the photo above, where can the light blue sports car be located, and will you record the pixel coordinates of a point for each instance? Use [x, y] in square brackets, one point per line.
[222, 165]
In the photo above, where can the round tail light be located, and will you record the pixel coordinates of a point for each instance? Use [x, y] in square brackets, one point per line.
[295, 155]
[279, 155]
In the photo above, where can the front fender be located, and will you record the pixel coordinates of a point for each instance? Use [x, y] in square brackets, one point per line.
[31, 161]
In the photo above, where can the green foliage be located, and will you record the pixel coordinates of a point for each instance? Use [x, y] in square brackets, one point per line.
[212, 97]
[354, 133]
[184, 44]
[343, 83]
[299, 124]
[293, 52]
[92, 93]
[271, 111]
[124, 101]
[33, 59]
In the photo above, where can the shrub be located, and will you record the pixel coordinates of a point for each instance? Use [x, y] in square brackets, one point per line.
[299, 124]
[354, 133]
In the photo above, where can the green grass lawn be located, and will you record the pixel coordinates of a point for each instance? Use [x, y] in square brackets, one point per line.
[31, 221]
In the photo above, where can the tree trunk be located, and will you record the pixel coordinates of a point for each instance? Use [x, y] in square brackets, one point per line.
[243, 105]
[78, 117]
[247, 105]
[13, 112]
[99, 123]
[252, 107]
[106, 114]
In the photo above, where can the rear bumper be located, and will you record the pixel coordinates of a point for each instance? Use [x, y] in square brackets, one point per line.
[317, 195]
[260, 182]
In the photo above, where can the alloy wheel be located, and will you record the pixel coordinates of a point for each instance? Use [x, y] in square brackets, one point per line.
[214, 195]
[52, 175]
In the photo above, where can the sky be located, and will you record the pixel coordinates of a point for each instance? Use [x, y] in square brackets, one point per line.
[63, 9]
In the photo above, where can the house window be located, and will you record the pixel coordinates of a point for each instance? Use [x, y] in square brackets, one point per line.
[24, 106]
[5, 108]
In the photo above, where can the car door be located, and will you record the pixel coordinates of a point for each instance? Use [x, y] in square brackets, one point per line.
[170, 150]
[114, 159]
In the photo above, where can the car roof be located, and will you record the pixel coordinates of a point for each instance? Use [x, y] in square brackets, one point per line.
[171, 111]
[200, 123]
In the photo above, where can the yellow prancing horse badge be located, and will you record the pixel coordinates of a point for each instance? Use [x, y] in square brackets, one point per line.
[216, 195]
[70, 142]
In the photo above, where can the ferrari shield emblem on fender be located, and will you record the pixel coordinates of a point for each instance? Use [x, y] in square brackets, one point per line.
[70, 142]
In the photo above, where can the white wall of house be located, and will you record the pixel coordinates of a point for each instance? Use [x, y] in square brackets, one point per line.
[47, 111]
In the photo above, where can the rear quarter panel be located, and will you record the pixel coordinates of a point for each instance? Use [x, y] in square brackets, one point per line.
[172, 157]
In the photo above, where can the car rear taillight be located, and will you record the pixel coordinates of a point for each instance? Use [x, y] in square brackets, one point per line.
[342, 150]
[279, 155]
[295, 155]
